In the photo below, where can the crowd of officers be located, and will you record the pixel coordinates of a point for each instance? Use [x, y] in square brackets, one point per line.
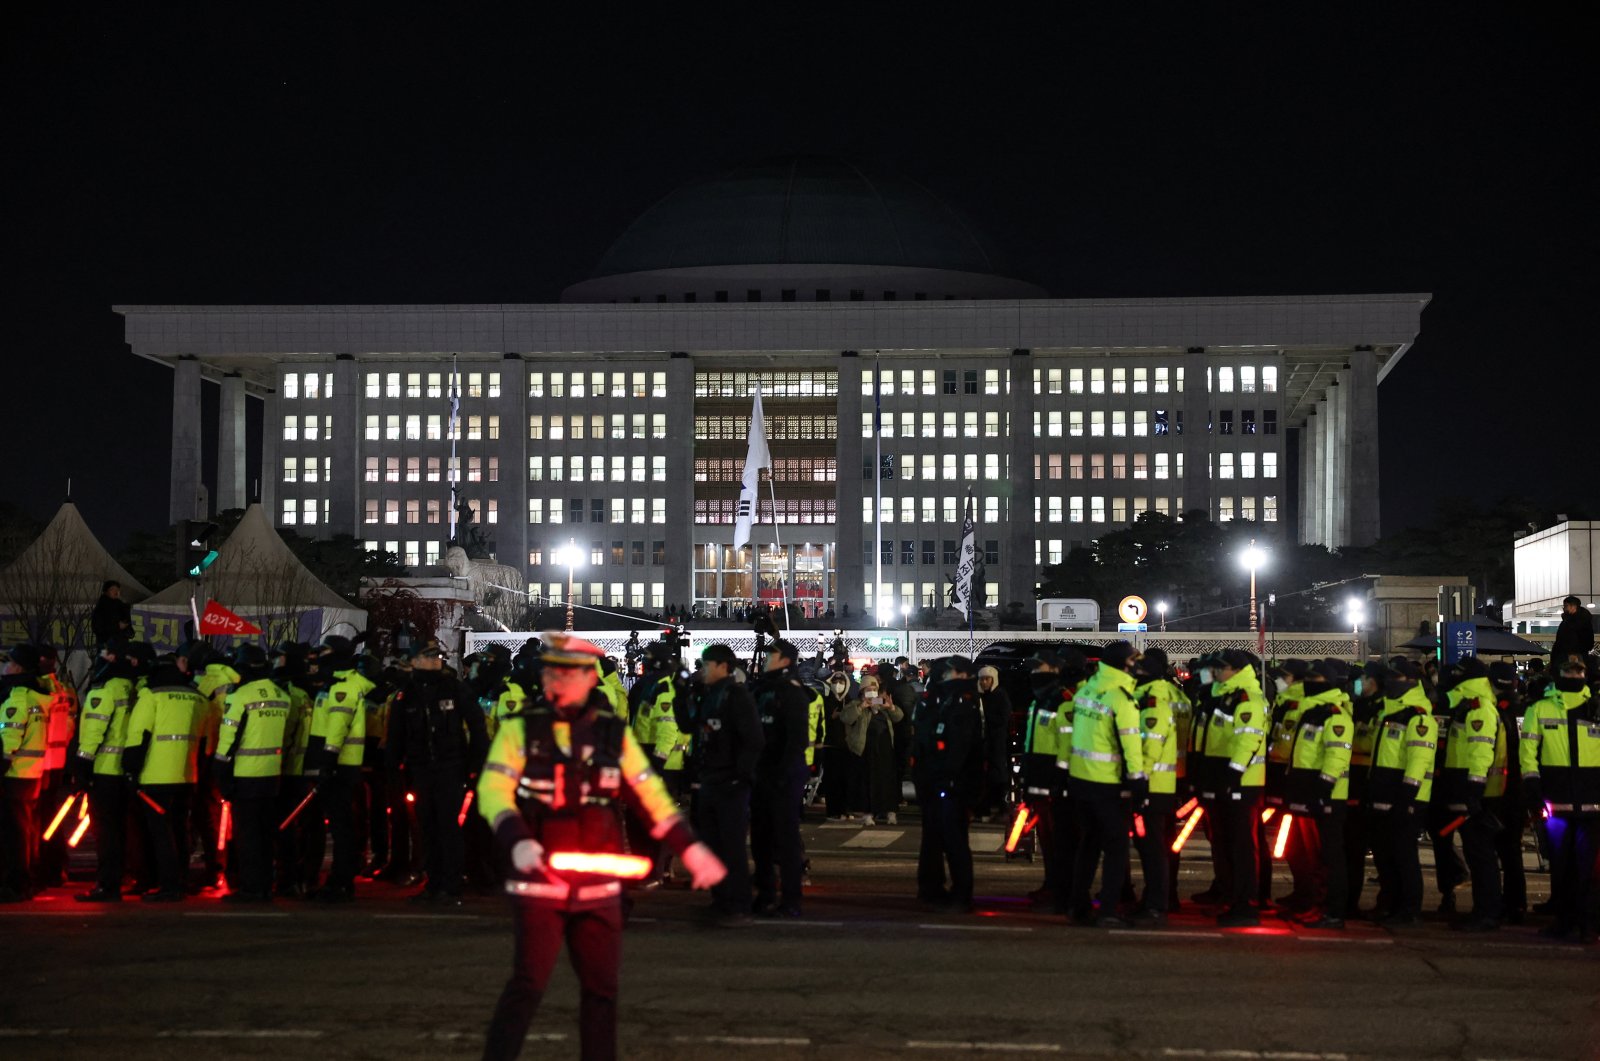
[253, 756]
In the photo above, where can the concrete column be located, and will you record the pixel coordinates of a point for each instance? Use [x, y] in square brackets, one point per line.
[1301, 526]
[679, 487]
[232, 485]
[187, 497]
[1196, 404]
[511, 492]
[850, 574]
[1362, 463]
[1311, 466]
[271, 465]
[344, 486]
[1018, 573]
[1339, 402]
[1326, 416]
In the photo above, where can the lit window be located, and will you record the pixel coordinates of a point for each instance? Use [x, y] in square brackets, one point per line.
[1097, 421]
[1224, 466]
[371, 511]
[291, 386]
[1119, 381]
[1269, 465]
[1224, 509]
[1247, 465]
[1269, 385]
[391, 510]
[291, 428]
[1075, 423]
[1269, 509]
[1097, 381]
[291, 512]
[536, 384]
[374, 386]
[1075, 381]
[1119, 423]
[658, 510]
[1097, 510]
[1141, 380]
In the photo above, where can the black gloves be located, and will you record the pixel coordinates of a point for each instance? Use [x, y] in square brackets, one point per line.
[1533, 797]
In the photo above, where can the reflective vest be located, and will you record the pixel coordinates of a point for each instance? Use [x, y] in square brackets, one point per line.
[1158, 730]
[1475, 753]
[376, 737]
[1280, 742]
[22, 731]
[1561, 749]
[656, 727]
[171, 717]
[1319, 760]
[1403, 752]
[813, 725]
[340, 717]
[511, 701]
[296, 730]
[254, 718]
[611, 685]
[61, 719]
[1040, 738]
[104, 729]
[1107, 743]
[559, 780]
[1239, 725]
[214, 683]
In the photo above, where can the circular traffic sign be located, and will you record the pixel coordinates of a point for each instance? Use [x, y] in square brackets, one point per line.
[1132, 609]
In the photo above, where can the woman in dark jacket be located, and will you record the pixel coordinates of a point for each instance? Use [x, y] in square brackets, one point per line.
[869, 733]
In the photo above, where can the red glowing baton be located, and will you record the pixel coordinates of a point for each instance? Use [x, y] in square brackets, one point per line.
[466, 802]
[1188, 827]
[1282, 843]
[152, 804]
[296, 812]
[225, 827]
[55, 823]
[1138, 826]
[628, 867]
[1266, 815]
[1453, 826]
[1017, 828]
[77, 834]
[1183, 811]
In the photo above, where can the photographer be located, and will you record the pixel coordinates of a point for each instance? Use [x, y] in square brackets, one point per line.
[869, 722]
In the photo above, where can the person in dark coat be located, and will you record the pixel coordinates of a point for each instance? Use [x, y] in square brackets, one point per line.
[112, 619]
[1575, 635]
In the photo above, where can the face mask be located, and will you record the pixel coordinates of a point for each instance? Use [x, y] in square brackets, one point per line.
[1356, 686]
[1205, 675]
[1570, 685]
[1282, 684]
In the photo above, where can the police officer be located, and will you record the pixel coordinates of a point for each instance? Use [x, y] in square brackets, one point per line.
[22, 752]
[654, 715]
[249, 769]
[553, 786]
[1105, 759]
[1398, 789]
[1290, 683]
[1471, 784]
[1318, 787]
[1508, 842]
[164, 731]
[215, 678]
[98, 766]
[437, 734]
[297, 868]
[1560, 765]
[726, 738]
[1043, 785]
[783, 704]
[1239, 721]
[61, 721]
[333, 760]
[947, 764]
[1159, 702]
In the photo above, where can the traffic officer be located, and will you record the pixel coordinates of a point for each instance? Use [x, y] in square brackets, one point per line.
[1475, 757]
[655, 718]
[1206, 767]
[1302, 861]
[1318, 787]
[437, 735]
[1159, 701]
[1398, 789]
[947, 765]
[726, 738]
[1239, 723]
[333, 760]
[521, 688]
[1043, 785]
[1509, 702]
[98, 767]
[1105, 761]
[783, 704]
[61, 721]
[159, 760]
[215, 678]
[23, 704]
[249, 769]
[552, 789]
[1560, 764]
[297, 867]
[1364, 695]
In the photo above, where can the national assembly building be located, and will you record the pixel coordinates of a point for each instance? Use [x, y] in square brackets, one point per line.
[617, 418]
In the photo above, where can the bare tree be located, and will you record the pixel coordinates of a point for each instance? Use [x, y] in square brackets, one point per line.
[51, 590]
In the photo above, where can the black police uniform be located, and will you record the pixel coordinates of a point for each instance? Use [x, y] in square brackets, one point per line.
[947, 765]
[437, 734]
[726, 740]
[784, 707]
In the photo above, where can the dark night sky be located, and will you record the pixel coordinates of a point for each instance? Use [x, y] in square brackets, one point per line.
[153, 158]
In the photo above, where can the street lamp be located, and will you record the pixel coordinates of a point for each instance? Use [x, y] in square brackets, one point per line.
[568, 554]
[1253, 557]
[1356, 612]
[1161, 610]
[905, 616]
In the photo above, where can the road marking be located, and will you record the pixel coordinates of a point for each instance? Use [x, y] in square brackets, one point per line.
[840, 825]
[454, 1037]
[1161, 933]
[978, 928]
[874, 838]
[795, 922]
[742, 1040]
[1016, 1048]
[425, 917]
[30, 1033]
[1342, 939]
[1255, 1055]
[236, 913]
[241, 1033]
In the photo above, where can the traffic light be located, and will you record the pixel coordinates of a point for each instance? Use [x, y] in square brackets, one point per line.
[194, 552]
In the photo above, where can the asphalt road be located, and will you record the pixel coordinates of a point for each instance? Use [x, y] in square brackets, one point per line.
[865, 974]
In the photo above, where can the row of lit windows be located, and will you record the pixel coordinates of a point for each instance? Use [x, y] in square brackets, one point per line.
[411, 554]
[949, 464]
[577, 428]
[623, 469]
[600, 510]
[929, 509]
[599, 595]
[1140, 465]
[788, 428]
[422, 510]
[620, 554]
[907, 600]
[415, 428]
[419, 469]
[909, 552]
[309, 428]
[817, 384]
[789, 510]
[928, 381]
[784, 470]
[438, 385]
[593, 385]
[936, 425]
[1122, 509]
[308, 385]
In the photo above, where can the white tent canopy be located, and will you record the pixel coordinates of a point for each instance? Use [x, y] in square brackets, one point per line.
[258, 577]
[71, 558]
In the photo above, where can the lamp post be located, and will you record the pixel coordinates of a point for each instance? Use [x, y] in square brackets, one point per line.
[568, 554]
[1253, 557]
[1355, 611]
[905, 616]
[1161, 610]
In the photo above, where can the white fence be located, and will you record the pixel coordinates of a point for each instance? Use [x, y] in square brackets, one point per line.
[931, 644]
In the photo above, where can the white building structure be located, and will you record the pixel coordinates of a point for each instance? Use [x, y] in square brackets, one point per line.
[1550, 565]
[617, 418]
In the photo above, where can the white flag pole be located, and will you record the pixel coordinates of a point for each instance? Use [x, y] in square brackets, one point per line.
[777, 551]
[877, 491]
